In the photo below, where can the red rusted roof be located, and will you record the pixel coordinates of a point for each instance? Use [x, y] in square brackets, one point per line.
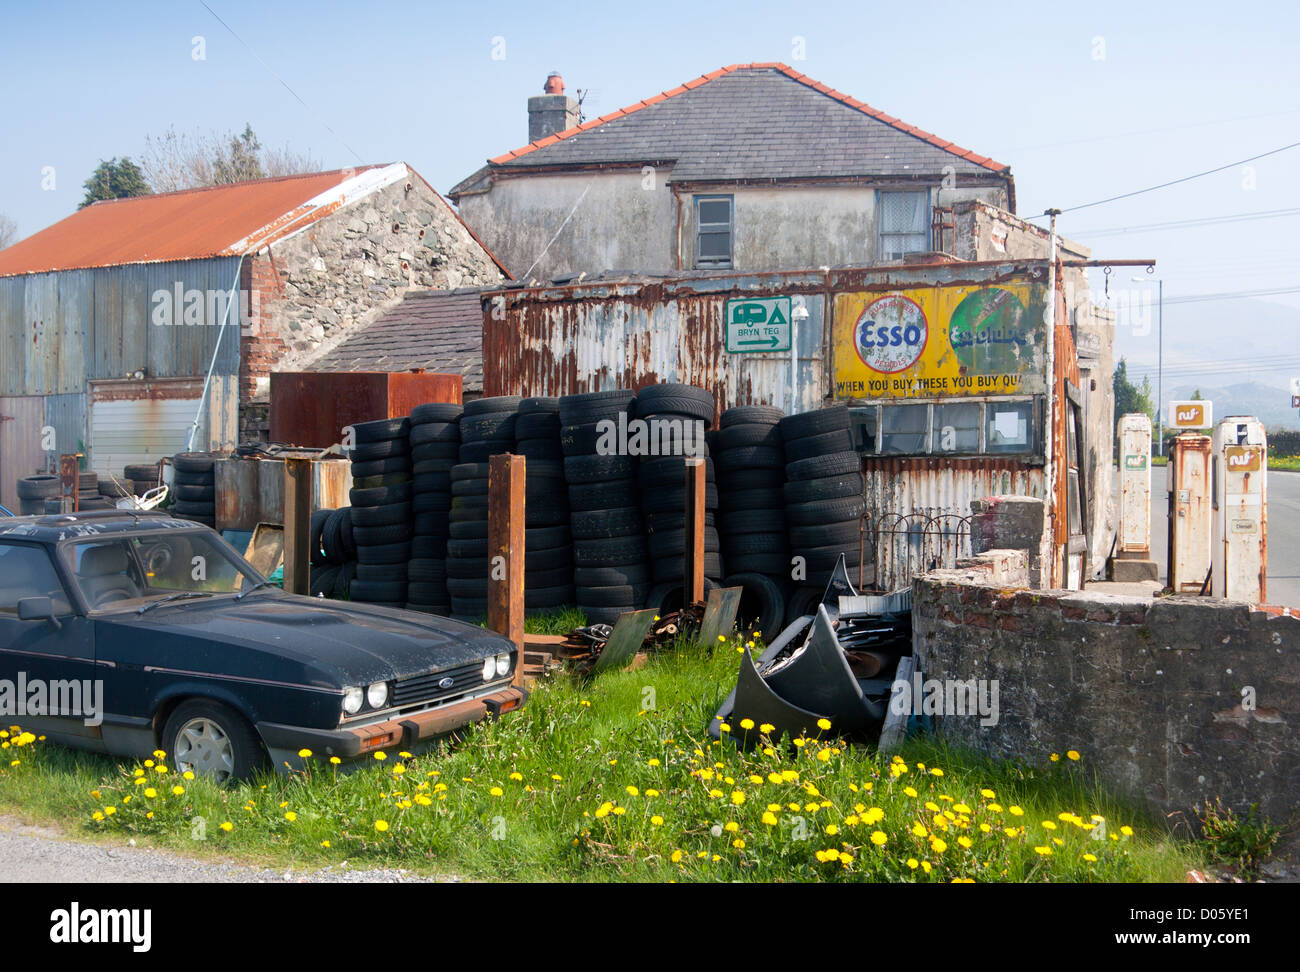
[186, 225]
[785, 69]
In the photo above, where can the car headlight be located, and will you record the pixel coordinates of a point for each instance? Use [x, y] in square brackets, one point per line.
[489, 668]
[352, 699]
[503, 663]
[377, 694]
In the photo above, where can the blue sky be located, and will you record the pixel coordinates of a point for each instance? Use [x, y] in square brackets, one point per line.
[1083, 101]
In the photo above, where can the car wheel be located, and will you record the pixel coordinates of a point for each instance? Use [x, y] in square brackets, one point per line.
[210, 739]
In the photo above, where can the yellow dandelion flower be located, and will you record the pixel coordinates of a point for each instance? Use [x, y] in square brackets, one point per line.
[290, 816]
[305, 753]
[381, 826]
[1045, 851]
[496, 791]
[823, 724]
[1015, 811]
[1072, 754]
[381, 755]
[747, 724]
[227, 826]
[657, 820]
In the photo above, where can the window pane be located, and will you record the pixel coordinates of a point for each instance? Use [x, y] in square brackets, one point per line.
[27, 572]
[956, 428]
[1009, 427]
[903, 429]
[904, 212]
[715, 246]
[715, 211]
[864, 428]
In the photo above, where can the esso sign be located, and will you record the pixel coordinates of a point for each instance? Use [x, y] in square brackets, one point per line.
[891, 334]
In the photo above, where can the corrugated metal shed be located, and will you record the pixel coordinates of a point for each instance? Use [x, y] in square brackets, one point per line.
[64, 328]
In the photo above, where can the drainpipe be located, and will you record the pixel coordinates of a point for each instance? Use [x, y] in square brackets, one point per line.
[207, 382]
[1049, 487]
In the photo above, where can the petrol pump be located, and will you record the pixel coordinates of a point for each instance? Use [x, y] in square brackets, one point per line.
[1132, 560]
[1190, 520]
[1239, 555]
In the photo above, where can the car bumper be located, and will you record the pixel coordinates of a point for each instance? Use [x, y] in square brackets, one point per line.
[411, 732]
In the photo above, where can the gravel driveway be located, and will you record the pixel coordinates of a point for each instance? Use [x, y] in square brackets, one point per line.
[32, 854]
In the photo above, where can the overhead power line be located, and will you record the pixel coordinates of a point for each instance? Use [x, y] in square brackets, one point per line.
[1175, 182]
[284, 84]
[1186, 223]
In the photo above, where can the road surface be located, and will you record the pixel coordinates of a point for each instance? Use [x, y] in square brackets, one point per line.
[32, 854]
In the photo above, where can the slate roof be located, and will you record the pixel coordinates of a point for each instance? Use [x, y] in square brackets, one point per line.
[437, 330]
[751, 121]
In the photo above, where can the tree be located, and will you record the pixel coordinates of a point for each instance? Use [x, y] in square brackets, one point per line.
[1196, 396]
[8, 231]
[1128, 397]
[115, 179]
[177, 160]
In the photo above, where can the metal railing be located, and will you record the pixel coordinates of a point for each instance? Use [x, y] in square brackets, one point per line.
[895, 546]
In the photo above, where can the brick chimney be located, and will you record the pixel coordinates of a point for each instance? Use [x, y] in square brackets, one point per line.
[551, 112]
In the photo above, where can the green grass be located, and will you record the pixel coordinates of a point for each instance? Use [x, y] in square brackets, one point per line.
[1291, 463]
[615, 779]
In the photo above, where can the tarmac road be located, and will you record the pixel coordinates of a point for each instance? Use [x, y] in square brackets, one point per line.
[1283, 577]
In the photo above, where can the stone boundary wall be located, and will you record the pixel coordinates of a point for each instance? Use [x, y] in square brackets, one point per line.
[1173, 701]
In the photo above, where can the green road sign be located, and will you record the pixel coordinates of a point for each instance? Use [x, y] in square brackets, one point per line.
[758, 324]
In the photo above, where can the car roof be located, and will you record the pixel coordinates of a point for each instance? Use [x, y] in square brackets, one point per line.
[54, 527]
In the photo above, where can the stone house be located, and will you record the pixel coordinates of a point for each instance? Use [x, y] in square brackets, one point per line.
[754, 167]
[136, 326]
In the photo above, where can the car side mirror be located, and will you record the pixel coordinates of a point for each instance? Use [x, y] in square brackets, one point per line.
[37, 609]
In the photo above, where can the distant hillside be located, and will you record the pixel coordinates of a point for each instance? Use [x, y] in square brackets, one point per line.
[1268, 404]
[1241, 354]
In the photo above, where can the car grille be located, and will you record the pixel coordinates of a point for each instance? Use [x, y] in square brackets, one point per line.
[425, 688]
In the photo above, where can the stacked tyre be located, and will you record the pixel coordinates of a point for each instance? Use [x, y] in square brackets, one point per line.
[333, 554]
[435, 447]
[34, 491]
[548, 544]
[676, 416]
[487, 428]
[381, 511]
[194, 489]
[610, 572]
[823, 494]
[751, 476]
[142, 477]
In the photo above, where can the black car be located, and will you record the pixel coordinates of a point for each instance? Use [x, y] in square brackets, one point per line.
[127, 632]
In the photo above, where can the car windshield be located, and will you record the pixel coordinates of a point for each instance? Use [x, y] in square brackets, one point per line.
[156, 566]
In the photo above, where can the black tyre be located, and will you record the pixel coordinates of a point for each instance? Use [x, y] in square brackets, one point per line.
[815, 422]
[368, 516]
[609, 553]
[629, 597]
[669, 471]
[442, 434]
[385, 553]
[603, 496]
[598, 469]
[670, 596]
[196, 494]
[382, 429]
[766, 498]
[825, 511]
[749, 434]
[211, 739]
[830, 487]
[142, 472]
[751, 414]
[820, 467]
[381, 496]
[431, 412]
[496, 403]
[315, 528]
[38, 487]
[487, 426]
[750, 457]
[379, 535]
[670, 499]
[630, 575]
[538, 425]
[674, 399]
[825, 444]
[770, 564]
[382, 591]
[762, 604]
[594, 406]
[381, 467]
[843, 533]
[195, 462]
[379, 449]
[485, 450]
[602, 524]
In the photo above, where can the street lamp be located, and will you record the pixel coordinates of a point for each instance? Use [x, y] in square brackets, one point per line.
[1160, 362]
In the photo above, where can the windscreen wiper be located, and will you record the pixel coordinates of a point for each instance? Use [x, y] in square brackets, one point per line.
[265, 583]
[173, 597]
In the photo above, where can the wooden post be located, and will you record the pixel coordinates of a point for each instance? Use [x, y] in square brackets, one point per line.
[297, 526]
[506, 478]
[69, 484]
[693, 581]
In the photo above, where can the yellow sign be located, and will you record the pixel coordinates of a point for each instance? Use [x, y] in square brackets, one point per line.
[937, 342]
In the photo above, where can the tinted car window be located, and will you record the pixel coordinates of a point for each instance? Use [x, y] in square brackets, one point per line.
[147, 566]
[26, 571]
